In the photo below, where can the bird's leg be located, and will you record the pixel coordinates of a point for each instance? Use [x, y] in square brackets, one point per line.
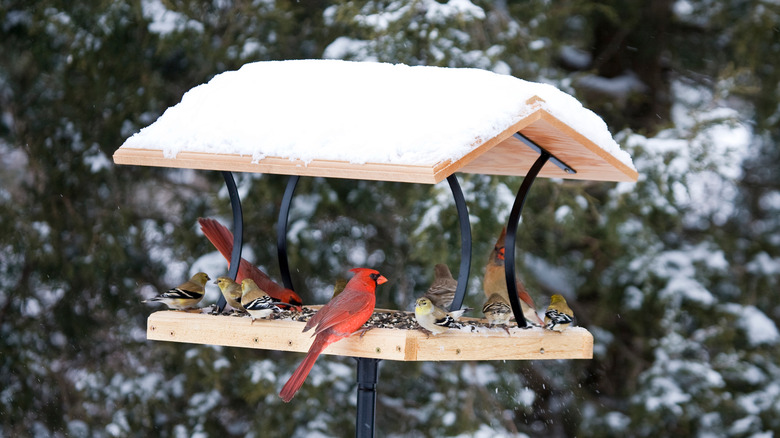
[424, 330]
[363, 331]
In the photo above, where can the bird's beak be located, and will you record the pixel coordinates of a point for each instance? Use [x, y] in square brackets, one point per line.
[381, 279]
[216, 281]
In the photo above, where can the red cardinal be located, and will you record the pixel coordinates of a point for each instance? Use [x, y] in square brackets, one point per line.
[495, 282]
[222, 239]
[340, 318]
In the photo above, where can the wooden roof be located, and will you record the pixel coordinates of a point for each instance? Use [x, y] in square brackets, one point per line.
[379, 343]
[500, 155]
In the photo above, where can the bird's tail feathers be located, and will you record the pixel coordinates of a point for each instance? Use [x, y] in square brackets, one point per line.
[299, 375]
[218, 235]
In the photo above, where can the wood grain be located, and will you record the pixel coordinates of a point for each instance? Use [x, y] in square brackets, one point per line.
[380, 343]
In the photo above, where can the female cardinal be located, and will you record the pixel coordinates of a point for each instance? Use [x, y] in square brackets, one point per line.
[495, 283]
[338, 319]
[222, 239]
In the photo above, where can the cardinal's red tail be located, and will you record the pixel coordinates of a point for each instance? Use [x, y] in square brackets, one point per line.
[218, 235]
[299, 375]
[222, 239]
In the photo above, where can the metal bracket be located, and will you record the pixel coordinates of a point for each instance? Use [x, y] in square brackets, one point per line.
[281, 231]
[238, 232]
[514, 220]
[465, 242]
[530, 143]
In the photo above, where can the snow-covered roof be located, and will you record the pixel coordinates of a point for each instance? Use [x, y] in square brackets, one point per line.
[379, 121]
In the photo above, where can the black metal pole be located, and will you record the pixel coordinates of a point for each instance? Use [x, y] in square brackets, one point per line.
[281, 231]
[367, 377]
[238, 232]
[465, 242]
[511, 232]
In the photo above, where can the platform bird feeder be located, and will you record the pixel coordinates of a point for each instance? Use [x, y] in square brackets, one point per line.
[384, 122]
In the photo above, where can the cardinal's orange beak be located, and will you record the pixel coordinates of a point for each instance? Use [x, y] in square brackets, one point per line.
[501, 253]
[381, 279]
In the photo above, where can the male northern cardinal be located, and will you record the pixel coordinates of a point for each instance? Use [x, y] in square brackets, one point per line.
[222, 239]
[495, 282]
[442, 290]
[185, 295]
[337, 319]
[559, 315]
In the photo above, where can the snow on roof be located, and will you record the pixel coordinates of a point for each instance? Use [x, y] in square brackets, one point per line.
[358, 112]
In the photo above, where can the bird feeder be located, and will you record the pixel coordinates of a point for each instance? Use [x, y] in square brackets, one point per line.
[376, 121]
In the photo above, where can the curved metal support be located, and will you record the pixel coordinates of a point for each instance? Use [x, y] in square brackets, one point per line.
[511, 233]
[281, 231]
[465, 242]
[238, 232]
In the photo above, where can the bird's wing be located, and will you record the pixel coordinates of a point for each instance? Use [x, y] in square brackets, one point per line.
[558, 317]
[179, 293]
[346, 315]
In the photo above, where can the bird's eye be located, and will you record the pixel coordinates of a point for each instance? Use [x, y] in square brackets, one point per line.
[374, 276]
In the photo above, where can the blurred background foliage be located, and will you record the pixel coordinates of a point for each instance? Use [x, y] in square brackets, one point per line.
[677, 276]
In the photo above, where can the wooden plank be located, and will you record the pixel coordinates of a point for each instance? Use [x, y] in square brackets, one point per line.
[380, 343]
[279, 166]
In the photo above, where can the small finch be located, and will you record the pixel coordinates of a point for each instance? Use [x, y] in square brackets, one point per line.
[442, 290]
[433, 318]
[497, 310]
[185, 295]
[495, 282]
[255, 301]
[231, 291]
[558, 316]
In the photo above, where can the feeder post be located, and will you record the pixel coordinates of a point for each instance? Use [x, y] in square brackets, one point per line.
[367, 377]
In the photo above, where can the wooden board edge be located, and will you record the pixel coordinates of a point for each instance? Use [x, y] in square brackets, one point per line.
[630, 173]
[487, 145]
[282, 166]
[379, 343]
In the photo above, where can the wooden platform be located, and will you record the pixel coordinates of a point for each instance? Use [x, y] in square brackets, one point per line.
[500, 155]
[380, 343]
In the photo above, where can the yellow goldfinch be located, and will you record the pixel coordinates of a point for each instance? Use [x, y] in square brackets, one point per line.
[442, 290]
[256, 301]
[185, 295]
[231, 291]
[433, 318]
[497, 310]
[558, 316]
